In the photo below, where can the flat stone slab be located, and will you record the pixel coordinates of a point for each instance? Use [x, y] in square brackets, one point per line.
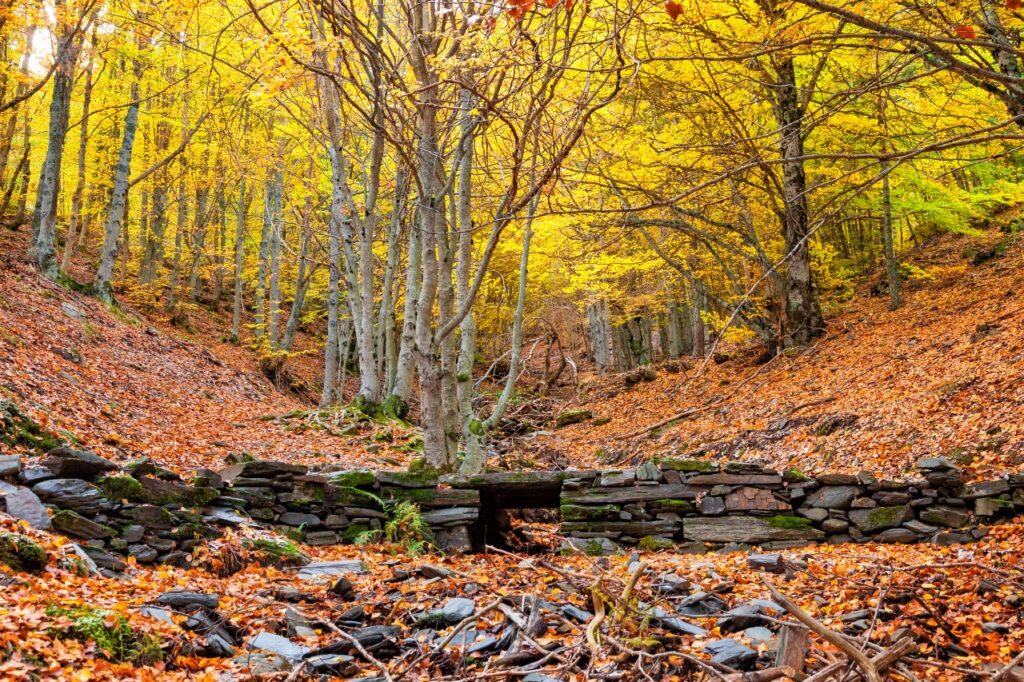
[745, 529]
[736, 479]
[331, 569]
[634, 494]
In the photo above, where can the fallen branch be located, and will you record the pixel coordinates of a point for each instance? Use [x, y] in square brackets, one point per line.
[867, 667]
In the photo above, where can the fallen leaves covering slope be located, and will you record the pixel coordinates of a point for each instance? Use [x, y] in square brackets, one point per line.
[127, 387]
[942, 375]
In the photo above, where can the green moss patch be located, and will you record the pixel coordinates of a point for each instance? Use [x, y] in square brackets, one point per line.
[653, 543]
[111, 633]
[122, 488]
[18, 430]
[686, 465]
[22, 554]
[353, 479]
[791, 522]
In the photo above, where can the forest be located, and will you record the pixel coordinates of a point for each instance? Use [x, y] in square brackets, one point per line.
[557, 340]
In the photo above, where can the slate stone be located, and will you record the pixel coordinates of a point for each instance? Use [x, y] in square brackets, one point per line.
[734, 466]
[540, 677]
[297, 519]
[891, 499]
[72, 493]
[104, 559]
[217, 646]
[759, 635]
[207, 478]
[260, 663]
[181, 599]
[440, 517]
[838, 479]
[902, 536]
[319, 538]
[150, 516]
[701, 604]
[576, 614]
[920, 527]
[677, 625]
[133, 533]
[973, 491]
[772, 563]
[78, 526]
[711, 505]
[331, 569]
[616, 477]
[745, 529]
[754, 499]
[157, 613]
[144, 554]
[863, 503]
[263, 469]
[945, 516]
[731, 653]
[833, 497]
[648, 472]
[32, 475]
[457, 609]
[816, 514]
[935, 464]
[226, 516]
[10, 465]
[255, 497]
[737, 479]
[944, 479]
[67, 462]
[880, 518]
[24, 504]
[741, 617]
[454, 540]
[337, 665]
[833, 526]
[276, 644]
[990, 506]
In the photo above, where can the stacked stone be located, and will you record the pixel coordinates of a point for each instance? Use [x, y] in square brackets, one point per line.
[143, 511]
[703, 504]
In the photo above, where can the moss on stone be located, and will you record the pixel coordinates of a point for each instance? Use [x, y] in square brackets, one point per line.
[676, 505]
[573, 417]
[653, 543]
[354, 532]
[18, 430]
[199, 496]
[580, 512]
[122, 488]
[21, 553]
[686, 465]
[795, 476]
[353, 479]
[790, 522]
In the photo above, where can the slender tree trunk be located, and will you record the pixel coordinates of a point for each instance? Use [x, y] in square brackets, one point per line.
[276, 237]
[236, 310]
[44, 221]
[7, 137]
[83, 146]
[301, 280]
[119, 198]
[266, 236]
[406, 368]
[891, 263]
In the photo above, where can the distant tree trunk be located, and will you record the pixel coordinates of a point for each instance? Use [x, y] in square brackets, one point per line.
[203, 218]
[7, 137]
[119, 197]
[597, 317]
[222, 247]
[301, 280]
[698, 304]
[179, 244]
[274, 288]
[891, 263]
[266, 236]
[386, 354]
[83, 146]
[406, 369]
[236, 311]
[44, 221]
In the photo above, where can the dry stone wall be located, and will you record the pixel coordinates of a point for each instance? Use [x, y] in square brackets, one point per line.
[154, 515]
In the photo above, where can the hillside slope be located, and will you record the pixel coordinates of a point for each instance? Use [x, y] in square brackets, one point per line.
[128, 387]
[941, 375]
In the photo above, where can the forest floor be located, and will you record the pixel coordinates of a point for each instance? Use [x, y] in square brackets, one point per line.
[940, 376]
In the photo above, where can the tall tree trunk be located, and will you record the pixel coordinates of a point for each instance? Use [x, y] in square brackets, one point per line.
[76, 198]
[803, 314]
[891, 263]
[44, 221]
[7, 137]
[266, 236]
[119, 197]
[301, 280]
